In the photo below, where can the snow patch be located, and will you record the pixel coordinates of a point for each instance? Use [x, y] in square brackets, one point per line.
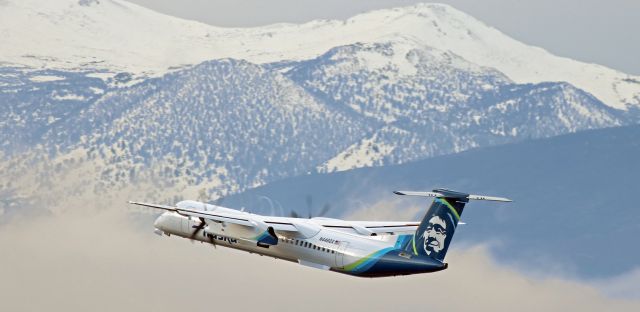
[69, 97]
[366, 153]
[46, 78]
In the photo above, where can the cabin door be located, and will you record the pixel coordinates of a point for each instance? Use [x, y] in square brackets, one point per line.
[340, 254]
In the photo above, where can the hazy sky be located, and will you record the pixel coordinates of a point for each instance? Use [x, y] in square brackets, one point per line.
[109, 261]
[603, 32]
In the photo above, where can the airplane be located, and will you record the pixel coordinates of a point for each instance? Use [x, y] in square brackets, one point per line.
[358, 248]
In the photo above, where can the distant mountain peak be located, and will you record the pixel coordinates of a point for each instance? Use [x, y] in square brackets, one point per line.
[116, 35]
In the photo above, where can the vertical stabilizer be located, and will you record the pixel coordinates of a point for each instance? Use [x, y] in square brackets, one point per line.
[434, 234]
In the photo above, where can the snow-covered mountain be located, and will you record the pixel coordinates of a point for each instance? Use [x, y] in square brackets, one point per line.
[226, 125]
[107, 98]
[221, 126]
[430, 102]
[120, 36]
[32, 101]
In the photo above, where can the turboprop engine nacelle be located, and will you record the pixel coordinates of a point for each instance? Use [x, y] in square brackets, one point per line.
[266, 235]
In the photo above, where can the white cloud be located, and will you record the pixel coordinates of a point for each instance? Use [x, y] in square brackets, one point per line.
[626, 285]
[109, 262]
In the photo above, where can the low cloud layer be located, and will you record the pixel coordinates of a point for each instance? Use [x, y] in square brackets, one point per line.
[111, 262]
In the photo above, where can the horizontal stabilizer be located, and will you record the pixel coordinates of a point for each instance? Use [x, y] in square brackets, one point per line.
[441, 193]
[424, 194]
[491, 198]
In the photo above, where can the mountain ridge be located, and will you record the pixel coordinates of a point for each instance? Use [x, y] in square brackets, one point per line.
[221, 126]
[87, 37]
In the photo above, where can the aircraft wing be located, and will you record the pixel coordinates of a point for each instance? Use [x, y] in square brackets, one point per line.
[304, 226]
[388, 226]
[368, 227]
[242, 219]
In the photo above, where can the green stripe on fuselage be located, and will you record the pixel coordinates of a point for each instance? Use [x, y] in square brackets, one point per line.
[367, 261]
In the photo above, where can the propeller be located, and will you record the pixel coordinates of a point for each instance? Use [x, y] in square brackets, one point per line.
[325, 210]
[275, 208]
[212, 241]
[202, 224]
[198, 228]
[309, 200]
[309, 205]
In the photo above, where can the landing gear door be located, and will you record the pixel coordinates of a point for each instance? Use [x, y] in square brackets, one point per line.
[340, 254]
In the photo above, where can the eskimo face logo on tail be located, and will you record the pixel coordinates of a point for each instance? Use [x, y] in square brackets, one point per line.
[435, 235]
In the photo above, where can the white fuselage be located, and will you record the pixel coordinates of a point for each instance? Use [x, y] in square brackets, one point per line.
[326, 249]
[359, 248]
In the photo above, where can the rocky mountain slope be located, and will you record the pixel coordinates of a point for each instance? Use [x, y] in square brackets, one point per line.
[121, 101]
[223, 126]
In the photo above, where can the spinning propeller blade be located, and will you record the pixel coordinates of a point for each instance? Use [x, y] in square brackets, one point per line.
[198, 228]
[309, 200]
[324, 210]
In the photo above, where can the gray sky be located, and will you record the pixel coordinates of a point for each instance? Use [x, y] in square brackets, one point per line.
[603, 32]
[85, 260]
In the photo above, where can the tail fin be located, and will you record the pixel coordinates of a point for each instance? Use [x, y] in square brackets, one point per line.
[433, 236]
